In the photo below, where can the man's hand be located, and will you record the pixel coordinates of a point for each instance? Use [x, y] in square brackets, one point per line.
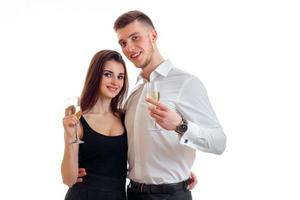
[164, 116]
[81, 173]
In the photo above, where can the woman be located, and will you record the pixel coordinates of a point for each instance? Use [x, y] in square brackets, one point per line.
[104, 151]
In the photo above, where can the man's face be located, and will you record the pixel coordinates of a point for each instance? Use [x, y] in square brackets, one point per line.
[137, 42]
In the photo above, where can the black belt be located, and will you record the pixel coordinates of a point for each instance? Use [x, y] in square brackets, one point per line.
[161, 188]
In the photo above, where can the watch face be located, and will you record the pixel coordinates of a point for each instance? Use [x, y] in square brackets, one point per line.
[183, 128]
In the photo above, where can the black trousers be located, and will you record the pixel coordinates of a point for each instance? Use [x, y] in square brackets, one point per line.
[134, 193]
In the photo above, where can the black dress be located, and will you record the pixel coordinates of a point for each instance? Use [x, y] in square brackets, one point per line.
[105, 161]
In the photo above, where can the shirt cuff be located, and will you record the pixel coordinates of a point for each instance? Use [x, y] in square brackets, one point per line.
[193, 138]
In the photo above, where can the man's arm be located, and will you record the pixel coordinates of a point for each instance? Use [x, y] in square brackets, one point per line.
[204, 131]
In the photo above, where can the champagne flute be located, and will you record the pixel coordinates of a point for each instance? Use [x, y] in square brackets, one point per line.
[152, 93]
[74, 101]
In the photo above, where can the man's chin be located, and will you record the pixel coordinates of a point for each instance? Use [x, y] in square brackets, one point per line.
[138, 65]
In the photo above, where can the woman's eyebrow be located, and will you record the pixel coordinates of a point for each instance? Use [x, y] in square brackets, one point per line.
[113, 72]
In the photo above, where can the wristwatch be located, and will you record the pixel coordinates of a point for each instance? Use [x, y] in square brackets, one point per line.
[182, 127]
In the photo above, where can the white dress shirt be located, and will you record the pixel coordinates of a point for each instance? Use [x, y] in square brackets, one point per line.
[156, 155]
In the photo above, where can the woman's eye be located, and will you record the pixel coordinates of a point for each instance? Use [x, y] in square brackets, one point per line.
[120, 77]
[107, 75]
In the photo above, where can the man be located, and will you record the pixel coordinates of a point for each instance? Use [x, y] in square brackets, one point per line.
[160, 157]
[163, 139]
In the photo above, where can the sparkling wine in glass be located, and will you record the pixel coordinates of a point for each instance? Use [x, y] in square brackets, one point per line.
[74, 102]
[152, 93]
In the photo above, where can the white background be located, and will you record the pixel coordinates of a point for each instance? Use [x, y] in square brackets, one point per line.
[245, 52]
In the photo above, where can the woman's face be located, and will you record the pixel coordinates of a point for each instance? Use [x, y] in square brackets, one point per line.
[112, 79]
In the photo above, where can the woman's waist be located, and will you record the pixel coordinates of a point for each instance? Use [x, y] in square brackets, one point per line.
[105, 169]
[104, 183]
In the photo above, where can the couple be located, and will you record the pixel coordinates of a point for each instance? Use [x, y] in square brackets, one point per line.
[162, 139]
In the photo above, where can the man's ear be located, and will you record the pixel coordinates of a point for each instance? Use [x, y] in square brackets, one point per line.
[153, 35]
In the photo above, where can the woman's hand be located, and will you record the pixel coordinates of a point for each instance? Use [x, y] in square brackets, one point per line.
[193, 181]
[69, 122]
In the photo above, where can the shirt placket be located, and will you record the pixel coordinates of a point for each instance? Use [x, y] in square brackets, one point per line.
[139, 127]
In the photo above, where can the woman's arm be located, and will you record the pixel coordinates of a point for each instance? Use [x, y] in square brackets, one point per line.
[69, 166]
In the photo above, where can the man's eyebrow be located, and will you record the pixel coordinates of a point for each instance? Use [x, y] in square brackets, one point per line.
[135, 33]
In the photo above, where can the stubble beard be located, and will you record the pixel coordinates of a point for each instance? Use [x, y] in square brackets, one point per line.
[147, 61]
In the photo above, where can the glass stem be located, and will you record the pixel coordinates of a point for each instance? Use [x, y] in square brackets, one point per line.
[76, 128]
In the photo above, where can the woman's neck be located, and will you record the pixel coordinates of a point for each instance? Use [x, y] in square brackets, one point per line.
[102, 107]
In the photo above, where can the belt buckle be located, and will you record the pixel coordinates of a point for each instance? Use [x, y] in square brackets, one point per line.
[134, 187]
[141, 188]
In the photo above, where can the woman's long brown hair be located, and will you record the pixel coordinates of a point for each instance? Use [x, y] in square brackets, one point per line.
[91, 89]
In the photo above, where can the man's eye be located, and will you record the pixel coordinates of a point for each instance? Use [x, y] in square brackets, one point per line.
[107, 74]
[122, 44]
[135, 38]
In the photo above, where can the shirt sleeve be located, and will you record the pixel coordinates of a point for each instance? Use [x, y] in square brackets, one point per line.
[204, 130]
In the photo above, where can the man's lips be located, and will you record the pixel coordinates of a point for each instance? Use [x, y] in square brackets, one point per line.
[135, 55]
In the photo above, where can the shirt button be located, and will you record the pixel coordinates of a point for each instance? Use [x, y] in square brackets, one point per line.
[185, 141]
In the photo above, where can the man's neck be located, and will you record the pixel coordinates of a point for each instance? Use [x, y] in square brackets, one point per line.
[156, 61]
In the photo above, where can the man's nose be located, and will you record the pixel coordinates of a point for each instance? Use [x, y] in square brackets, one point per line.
[129, 47]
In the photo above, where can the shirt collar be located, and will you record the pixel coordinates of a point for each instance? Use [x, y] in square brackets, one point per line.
[162, 70]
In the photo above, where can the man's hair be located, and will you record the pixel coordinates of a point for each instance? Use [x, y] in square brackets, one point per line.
[131, 16]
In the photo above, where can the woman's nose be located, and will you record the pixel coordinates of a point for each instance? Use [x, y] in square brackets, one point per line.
[114, 80]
